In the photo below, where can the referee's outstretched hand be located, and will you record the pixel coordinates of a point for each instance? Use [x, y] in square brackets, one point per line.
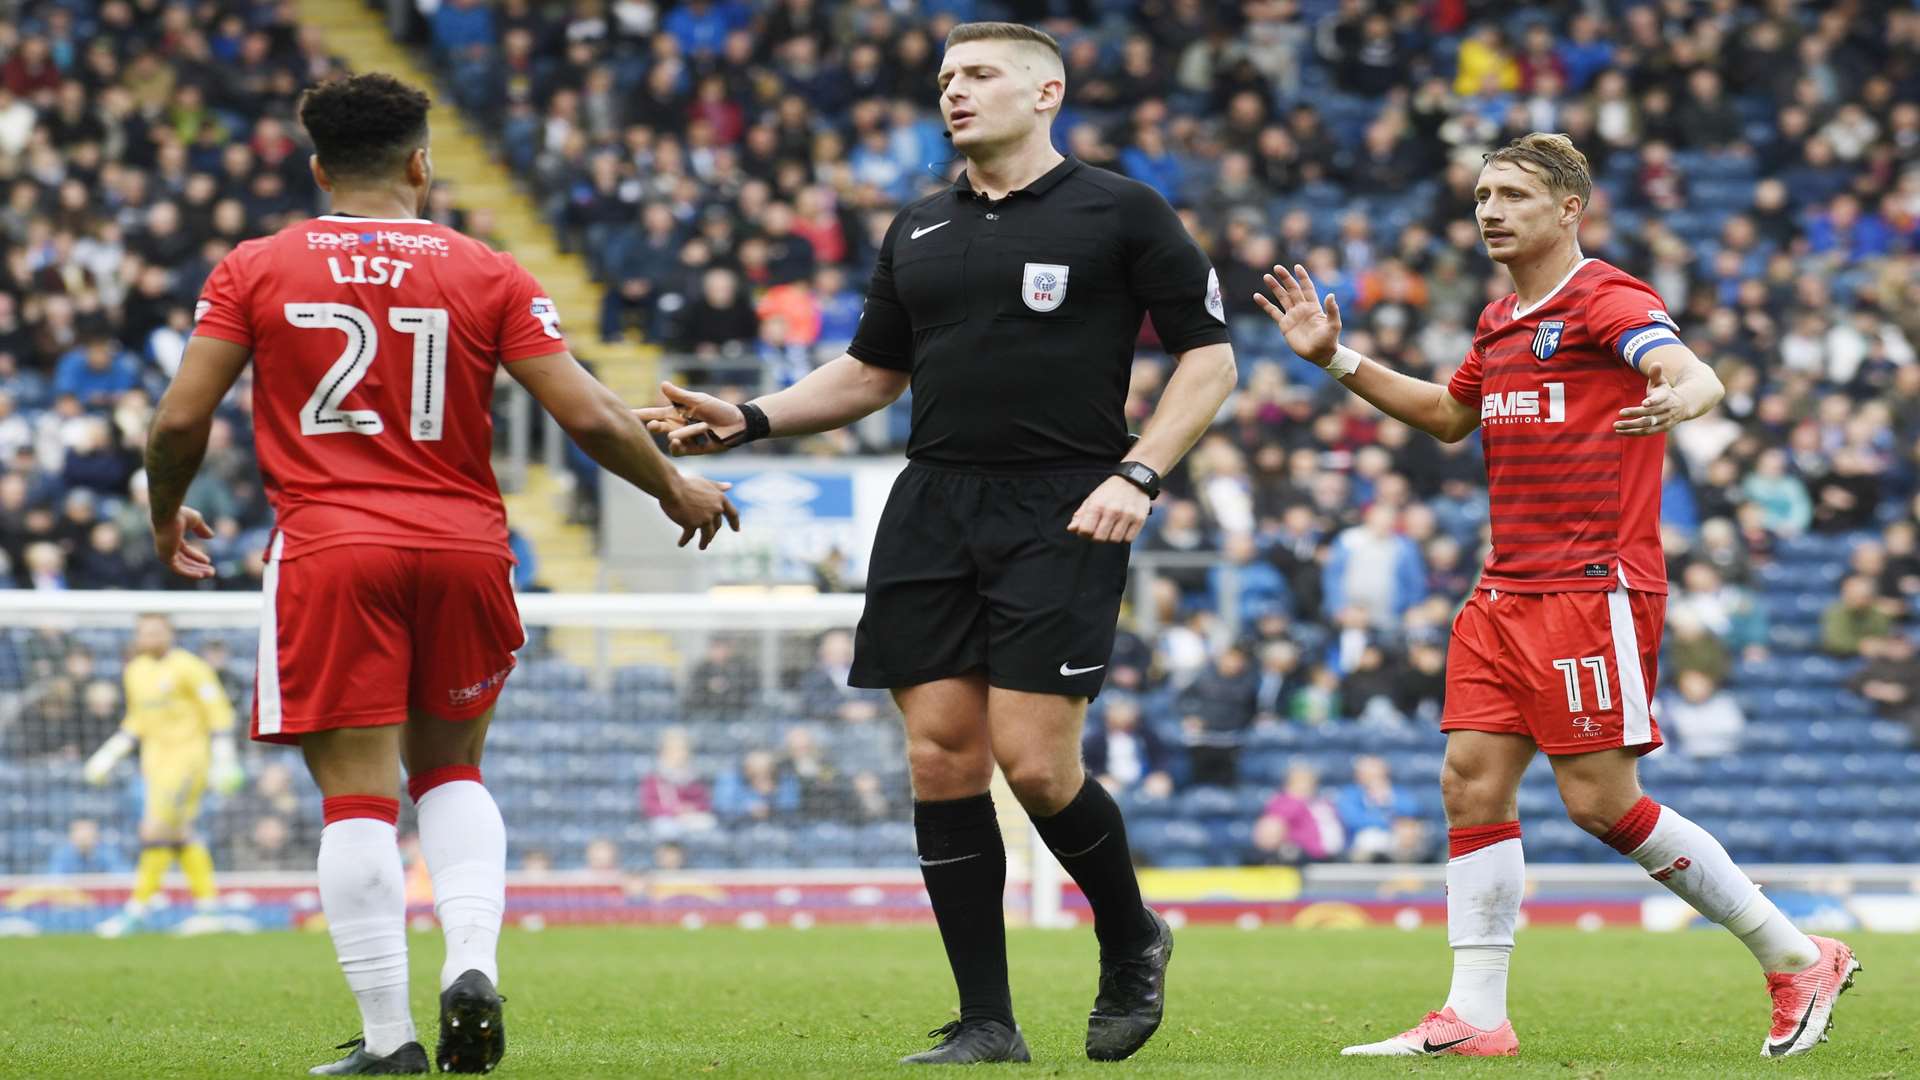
[1113, 514]
[1310, 323]
[694, 423]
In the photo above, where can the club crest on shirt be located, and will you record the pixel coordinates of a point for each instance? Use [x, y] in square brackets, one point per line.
[1043, 286]
[1546, 340]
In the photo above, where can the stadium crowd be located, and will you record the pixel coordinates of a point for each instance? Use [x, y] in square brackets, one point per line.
[728, 171]
[139, 142]
[728, 168]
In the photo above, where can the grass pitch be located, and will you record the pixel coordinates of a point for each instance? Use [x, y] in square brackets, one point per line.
[847, 1002]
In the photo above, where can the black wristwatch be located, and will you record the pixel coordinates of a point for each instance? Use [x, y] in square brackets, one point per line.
[1140, 475]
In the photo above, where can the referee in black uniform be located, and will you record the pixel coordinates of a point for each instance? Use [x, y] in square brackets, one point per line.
[1010, 302]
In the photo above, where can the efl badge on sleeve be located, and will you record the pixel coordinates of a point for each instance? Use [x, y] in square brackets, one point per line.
[549, 316]
[1043, 286]
[1546, 340]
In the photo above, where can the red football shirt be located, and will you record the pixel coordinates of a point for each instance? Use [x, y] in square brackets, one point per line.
[375, 343]
[1575, 506]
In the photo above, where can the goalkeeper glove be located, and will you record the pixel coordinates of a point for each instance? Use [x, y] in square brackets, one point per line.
[227, 775]
[100, 766]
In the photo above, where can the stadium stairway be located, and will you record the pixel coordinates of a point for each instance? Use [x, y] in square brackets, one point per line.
[465, 162]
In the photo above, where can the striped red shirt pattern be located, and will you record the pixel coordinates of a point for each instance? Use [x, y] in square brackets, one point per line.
[1574, 505]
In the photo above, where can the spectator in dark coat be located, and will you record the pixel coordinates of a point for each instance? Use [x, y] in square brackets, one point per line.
[823, 690]
[1123, 753]
[1216, 711]
[1890, 679]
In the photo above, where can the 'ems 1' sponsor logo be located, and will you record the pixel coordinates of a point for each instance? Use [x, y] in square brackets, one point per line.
[1525, 406]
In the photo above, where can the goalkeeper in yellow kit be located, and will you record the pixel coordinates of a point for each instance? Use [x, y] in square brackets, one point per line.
[179, 717]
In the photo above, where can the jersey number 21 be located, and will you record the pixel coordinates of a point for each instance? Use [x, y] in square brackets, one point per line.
[322, 414]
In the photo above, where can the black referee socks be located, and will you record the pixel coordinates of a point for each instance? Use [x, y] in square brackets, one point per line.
[964, 863]
[1089, 837]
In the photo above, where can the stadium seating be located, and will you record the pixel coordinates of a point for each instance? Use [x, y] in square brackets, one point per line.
[1818, 777]
[1820, 773]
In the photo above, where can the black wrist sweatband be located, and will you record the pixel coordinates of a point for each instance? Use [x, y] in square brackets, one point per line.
[757, 425]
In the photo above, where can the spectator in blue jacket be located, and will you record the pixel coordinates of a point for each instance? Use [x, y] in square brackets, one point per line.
[1372, 566]
[460, 24]
[1257, 585]
[702, 26]
[83, 852]
[1149, 161]
[755, 791]
[1843, 230]
[1368, 808]
[97, 373]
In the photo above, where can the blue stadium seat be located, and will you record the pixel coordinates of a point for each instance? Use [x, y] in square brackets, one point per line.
[1202, 802]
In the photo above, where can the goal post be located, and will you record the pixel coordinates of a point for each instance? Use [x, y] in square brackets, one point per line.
[605, 682]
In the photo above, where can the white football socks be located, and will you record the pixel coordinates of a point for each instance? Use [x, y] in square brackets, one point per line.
[363, 893]
[464, 841]
[1688, 860]
[1484, 886]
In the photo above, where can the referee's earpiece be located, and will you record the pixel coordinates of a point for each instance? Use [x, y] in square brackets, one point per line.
[947, 134]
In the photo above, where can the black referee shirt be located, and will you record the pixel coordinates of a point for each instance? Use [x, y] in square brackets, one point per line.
[1017, 318]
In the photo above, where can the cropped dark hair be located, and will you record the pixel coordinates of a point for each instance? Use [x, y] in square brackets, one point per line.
[365, 127]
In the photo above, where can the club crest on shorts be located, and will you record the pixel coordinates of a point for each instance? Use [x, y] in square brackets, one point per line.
[1546, 340]
[1043, 286]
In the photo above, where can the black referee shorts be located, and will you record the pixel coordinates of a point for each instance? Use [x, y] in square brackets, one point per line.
[975, 570]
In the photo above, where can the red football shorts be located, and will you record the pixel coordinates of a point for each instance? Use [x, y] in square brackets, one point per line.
[1574, 671]
[358, 635]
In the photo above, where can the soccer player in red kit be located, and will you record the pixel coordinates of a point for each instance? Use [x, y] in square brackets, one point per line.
[389, 625]
[1573, 381]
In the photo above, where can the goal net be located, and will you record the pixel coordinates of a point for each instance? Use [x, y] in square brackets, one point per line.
[658, 758]
[697, 759]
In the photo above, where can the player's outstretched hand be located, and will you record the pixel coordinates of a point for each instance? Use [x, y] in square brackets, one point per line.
[694, 423]
[176, 552]
[1658, 412]
[1113, 514]
[699, 505]
[1311, 324]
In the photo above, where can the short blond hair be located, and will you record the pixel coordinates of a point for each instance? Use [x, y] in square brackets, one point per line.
[1003, 31]
[1553, 157]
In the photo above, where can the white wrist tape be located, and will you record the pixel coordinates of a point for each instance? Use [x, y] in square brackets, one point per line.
[1344, 363]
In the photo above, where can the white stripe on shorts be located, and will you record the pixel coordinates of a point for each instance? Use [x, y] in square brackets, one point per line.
[1636, 728]
[267, 670]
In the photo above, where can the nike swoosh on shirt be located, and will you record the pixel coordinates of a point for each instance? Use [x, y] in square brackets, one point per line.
[918, 233]
[1065, 670]
[1432, 1047]
[1786, 1044]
